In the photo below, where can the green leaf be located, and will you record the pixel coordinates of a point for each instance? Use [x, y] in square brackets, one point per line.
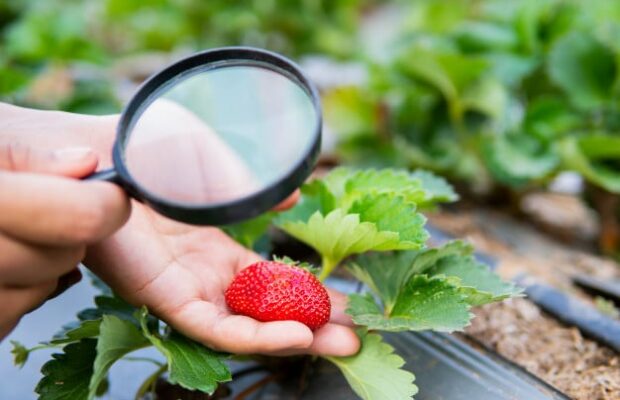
[488, 97]
[190, 364]
[20, 353]
[116, 338]
[375, 372]
[335, 182]
[427, 258]
[391, 181]
[436, 188]
[476, 280]
[77, 331]
[384, 273]
[66, 376]
[584, 68]
[339, 235]
[450, 73]
[595, 157]
[349, 111]
[99, 284]
[248, 232]
[549, 118]
[112, 305]
[475, 36]
[315, 197]
[294, 263]
[423, 303]
[392, 213]
[517, 160]
[511, 68]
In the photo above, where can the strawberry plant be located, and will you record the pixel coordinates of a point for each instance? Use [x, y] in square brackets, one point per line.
[365, 223]
[498, 94]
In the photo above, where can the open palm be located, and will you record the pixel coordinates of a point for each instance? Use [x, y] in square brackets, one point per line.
[180, 272]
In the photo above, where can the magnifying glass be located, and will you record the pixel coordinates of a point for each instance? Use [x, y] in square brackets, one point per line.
[218, 137]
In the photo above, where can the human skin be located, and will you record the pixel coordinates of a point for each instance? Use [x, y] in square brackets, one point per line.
[179, 272]
[47, 219]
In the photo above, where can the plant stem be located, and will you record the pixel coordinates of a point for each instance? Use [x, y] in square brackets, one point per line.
[327, 266]
[149, 384]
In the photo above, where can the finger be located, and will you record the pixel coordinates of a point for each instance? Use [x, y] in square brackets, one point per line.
[339, 303]
[19, 301]
[331, 340]
[204, 322]
[289, 202]
[6, 326]
[27, 264]
[71, 162]
[335, 340]
[60, 211]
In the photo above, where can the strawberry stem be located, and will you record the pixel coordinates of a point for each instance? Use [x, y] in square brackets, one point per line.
[327, 266]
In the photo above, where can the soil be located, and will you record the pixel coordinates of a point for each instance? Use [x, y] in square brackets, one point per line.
[517, 329]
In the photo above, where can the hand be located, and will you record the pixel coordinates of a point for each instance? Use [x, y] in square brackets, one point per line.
[46, 222]
[180, 273]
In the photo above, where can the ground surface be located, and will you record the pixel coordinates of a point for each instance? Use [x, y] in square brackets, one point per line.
[518, 329]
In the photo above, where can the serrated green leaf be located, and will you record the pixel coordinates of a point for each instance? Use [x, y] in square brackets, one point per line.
[393, 213]
[391, 181]
[476, 280]
[248, 232]
[436, 188]
[384, 273]
[584, 68]
[423, 303]
[20, 353]
[109, 305]
[339, 235]
[387, 273]
[336, 180]
[117, 338]
[67, 375]
[375, 373]
[190, 364]
[77, 331]
[427, 258]
[315, 196]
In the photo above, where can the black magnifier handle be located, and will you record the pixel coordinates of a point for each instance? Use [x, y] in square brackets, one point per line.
[106, 175]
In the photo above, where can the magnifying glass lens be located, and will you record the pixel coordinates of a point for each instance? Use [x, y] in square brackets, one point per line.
[219, 135]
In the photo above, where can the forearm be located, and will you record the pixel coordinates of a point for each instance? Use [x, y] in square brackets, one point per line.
[54, 129]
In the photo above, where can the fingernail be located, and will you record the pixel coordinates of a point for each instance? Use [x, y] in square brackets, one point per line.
[73, 153]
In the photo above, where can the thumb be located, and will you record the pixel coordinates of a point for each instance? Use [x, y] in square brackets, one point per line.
[73, 162]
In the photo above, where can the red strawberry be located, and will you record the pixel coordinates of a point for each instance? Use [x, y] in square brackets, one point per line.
[272, 291]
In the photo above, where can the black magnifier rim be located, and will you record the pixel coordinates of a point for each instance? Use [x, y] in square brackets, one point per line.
[237, 210]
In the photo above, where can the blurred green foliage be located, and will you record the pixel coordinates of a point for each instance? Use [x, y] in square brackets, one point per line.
[42, 36]
[491, 91]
